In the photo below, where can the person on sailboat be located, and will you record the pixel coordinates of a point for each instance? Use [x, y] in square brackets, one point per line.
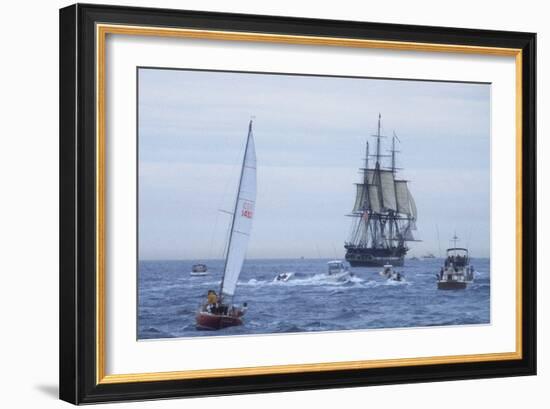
[211, 300]
[212, 297]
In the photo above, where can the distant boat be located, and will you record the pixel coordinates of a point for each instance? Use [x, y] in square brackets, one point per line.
[384, 213]
[390, 274]
[428, 255]
[456, 272]
[199, 270]
[414, 258]
[223, 314]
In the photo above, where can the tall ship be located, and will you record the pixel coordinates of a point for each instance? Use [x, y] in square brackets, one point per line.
[384, 213]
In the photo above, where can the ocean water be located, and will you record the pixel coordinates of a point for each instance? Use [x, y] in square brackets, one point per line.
[168, 298]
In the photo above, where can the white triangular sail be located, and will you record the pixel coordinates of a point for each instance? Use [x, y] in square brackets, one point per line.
[242, 219]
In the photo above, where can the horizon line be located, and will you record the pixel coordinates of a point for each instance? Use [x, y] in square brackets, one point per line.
[280, 258]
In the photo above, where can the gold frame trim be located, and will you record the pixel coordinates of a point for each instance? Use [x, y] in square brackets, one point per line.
[101, 33]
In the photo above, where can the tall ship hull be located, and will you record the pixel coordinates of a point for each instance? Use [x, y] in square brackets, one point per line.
[384, 213]
[371, 257]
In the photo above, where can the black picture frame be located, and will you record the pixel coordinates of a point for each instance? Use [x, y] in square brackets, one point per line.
[78, 357]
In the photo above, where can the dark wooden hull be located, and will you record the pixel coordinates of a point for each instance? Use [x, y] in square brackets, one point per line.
[213, 322]
[375, 262]
[451, 285]
[369, 257]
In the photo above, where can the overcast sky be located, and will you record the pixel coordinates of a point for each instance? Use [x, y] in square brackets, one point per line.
[310, 135]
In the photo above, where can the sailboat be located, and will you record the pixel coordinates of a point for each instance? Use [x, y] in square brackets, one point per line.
[384, 213]
[224, 314]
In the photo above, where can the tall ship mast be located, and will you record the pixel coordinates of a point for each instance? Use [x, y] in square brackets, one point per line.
[384, 213]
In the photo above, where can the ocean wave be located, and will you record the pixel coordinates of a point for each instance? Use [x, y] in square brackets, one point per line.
[478, 286]
[291, 328]
[384, 283]
[185, 311]
[153, 333]
[346, 313]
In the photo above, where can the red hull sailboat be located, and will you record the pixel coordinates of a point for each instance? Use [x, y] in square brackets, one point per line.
[222, 313]
[210, 321]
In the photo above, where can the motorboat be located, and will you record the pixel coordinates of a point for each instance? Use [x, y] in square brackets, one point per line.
[338, 270]
[199, 270]
[390, 274]
[283, 277]
[456, 272]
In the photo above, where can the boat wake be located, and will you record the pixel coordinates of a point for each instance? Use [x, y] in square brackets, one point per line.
[320, 279]
[389, 281]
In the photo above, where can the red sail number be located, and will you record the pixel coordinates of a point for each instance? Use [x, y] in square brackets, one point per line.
[248, 210]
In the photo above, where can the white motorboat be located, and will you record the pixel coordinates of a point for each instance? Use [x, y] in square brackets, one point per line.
[283, 277]
[338, 270]
[390, 274]
[456, 272]
[199, 270]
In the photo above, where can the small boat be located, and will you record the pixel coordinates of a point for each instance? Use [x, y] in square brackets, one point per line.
[283, 277]
[428, 255]
[415, 258]
[390, 274]
[199, 270]
[456, 272]
[222, 313]
[338, 270]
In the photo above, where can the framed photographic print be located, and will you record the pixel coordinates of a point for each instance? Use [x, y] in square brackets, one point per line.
[257, 203]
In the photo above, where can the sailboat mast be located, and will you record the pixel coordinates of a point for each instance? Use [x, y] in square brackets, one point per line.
[394, 226]
[366, 164]
[366, 179]
[366, 221]
[378, 142]
[379, 227]
[393, 154]
[235, 208]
